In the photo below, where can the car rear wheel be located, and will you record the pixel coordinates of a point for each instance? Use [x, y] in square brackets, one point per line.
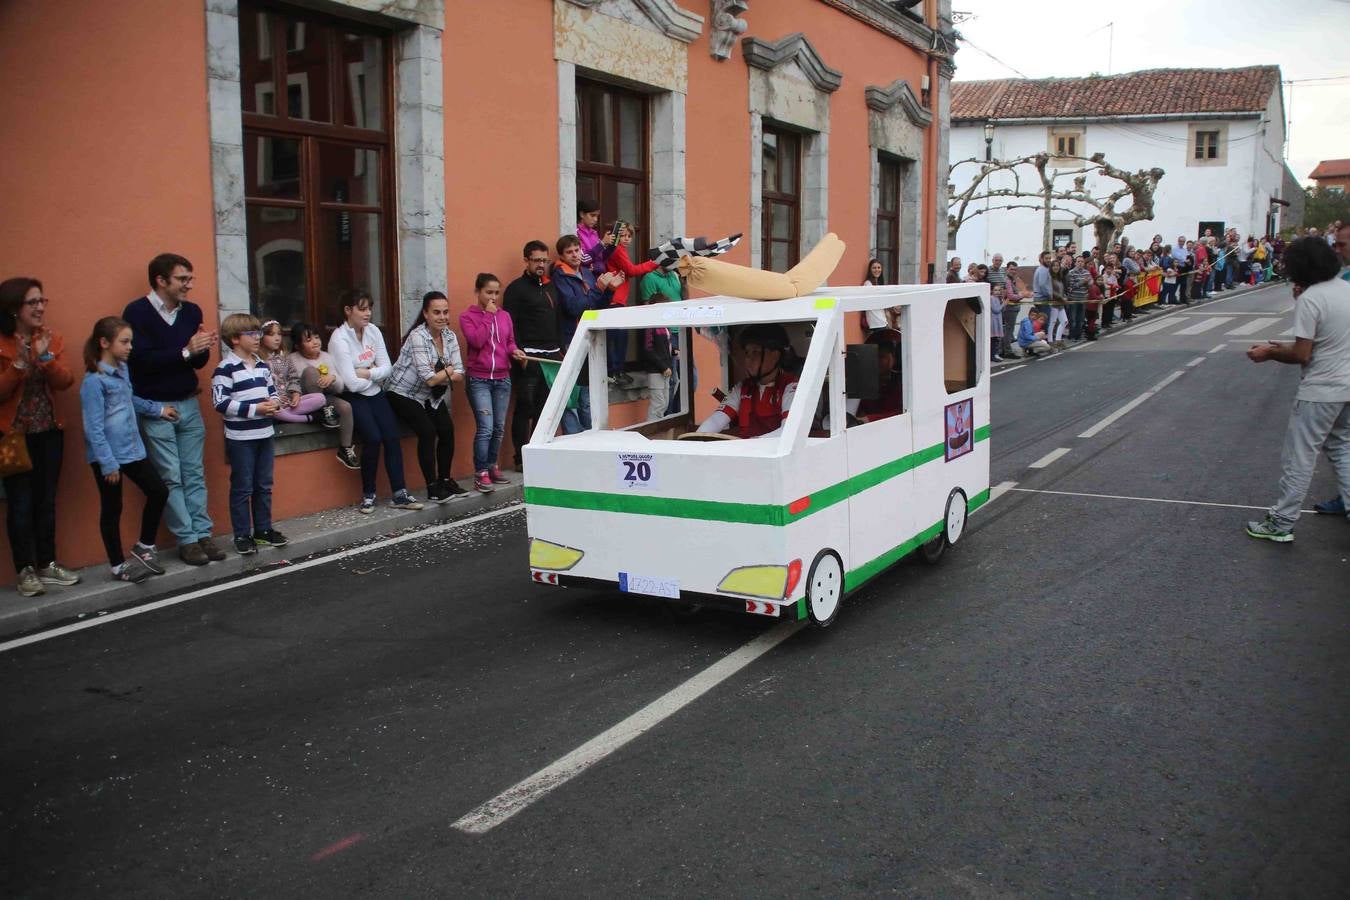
[824, 588]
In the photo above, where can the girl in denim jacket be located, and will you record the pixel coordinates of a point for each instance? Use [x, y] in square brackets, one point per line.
[114, 448]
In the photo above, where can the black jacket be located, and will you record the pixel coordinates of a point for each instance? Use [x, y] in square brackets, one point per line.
[533, 308]
[655, 358]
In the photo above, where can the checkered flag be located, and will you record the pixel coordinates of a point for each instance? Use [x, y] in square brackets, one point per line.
[667, 256]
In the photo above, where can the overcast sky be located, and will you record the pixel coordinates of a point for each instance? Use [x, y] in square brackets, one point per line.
[1305, 38]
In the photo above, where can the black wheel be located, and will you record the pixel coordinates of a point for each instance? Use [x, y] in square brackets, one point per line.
[933, 550]
[824, 588]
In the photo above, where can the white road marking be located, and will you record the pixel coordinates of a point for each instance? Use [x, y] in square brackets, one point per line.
[1104, 423]
[1143, 499]
[1204, 325]
[254, 579]
[1048, 458]
[1006, 371]
[1152, 327]
[1219, 348]
[1195, 362]
[1000, 489]
[1253, 326]
[1287, 333]
[516, 798]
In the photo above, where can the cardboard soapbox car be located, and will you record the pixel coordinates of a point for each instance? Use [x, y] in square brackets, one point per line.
[787, 524]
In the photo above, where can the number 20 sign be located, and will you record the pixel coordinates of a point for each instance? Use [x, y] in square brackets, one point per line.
[636, 472]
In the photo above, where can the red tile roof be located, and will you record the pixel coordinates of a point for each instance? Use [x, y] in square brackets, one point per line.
[1331, 168]
[1152, 92]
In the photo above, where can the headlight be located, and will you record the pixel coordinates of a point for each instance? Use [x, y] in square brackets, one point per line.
[766, 582]
[554, 557]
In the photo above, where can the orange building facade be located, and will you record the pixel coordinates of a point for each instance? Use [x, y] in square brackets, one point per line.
[417, 143]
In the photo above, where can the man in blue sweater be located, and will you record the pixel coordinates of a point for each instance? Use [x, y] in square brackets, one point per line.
[170, 343]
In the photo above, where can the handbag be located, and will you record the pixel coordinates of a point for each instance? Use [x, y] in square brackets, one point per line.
[14, 458]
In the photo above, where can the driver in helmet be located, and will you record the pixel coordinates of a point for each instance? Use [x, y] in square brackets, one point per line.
[758, 405]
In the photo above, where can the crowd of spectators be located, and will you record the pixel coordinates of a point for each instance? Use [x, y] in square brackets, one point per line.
[1077, 295]
[142, 415]
[140, 395]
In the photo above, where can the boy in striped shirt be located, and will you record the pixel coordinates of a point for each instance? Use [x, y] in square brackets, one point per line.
[245, 393]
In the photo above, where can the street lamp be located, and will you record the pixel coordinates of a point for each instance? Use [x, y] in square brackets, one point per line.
[988, 141]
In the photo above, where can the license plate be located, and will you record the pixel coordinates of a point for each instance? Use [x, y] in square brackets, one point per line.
[630, 583]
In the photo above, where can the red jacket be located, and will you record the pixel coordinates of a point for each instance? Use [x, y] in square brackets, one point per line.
[619, 262]
[12, 379]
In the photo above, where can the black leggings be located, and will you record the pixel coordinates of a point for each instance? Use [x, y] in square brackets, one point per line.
[143, 474]
[435, 434]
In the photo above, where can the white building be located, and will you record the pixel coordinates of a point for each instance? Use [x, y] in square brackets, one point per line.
[1218, 134]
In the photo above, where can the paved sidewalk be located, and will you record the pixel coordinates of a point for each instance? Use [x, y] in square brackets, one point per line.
[321, 532]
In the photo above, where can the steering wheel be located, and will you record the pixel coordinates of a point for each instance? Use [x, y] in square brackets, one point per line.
[707, 436]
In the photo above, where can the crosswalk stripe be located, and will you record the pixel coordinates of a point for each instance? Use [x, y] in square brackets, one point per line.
[1253, 326]
[1151, 327]
[1205, 325]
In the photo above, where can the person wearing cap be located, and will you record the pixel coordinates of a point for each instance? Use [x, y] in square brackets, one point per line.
[759, 404]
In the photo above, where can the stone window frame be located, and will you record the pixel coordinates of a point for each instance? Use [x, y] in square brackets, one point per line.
[1193, 130]
[1078, 135]
[593, 40]
[418, 145]
[772, 83]
[898, 125]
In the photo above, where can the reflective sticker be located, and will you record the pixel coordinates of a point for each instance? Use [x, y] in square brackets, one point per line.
[591, 314]
[826, 303]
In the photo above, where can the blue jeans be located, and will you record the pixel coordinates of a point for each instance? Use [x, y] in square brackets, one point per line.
[1077, 314]
[250, 484]
[616, 351]
[579, 419]
[377, 427]
[176, 450]
[489, 398]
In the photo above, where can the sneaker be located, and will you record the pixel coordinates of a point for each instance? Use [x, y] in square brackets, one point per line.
[625, 381]
[245, 545]
[270, 538]
[367, 505]
[132, 570]
[211, 549]
[453, 490]
[1333, 507]
[347, 456]
[483, 481]
[193, 554]
[996, 358]
[404, 500]
[437, 493]
[329, 417]
[54, 573]
[148, 557]
[30, 585]
[495, 473]
[1267, 530]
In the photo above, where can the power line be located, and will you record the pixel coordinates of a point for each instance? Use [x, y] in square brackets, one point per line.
[967, 41]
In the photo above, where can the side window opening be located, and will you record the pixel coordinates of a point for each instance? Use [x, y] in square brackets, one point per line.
[960, 332]
[873, 371]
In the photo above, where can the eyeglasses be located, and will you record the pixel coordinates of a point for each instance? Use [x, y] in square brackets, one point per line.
[254, 334]
[37, 301]
[184, 279]
[536, 259]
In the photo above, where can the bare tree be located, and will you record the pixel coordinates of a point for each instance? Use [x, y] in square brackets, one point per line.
[1107, 222]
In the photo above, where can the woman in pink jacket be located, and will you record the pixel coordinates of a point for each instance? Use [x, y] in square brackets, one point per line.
[491, 343]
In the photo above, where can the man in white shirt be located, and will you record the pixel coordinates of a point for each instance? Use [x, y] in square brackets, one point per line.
[1321, 414]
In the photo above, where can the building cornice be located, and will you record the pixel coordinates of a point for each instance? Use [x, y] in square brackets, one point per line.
[886, 18]
[761, 54]
[672, 19]
[899, 93]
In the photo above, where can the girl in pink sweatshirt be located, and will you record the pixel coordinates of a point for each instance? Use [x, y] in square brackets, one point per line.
[490, 341]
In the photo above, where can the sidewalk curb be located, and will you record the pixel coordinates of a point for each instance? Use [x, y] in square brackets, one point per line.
[315, 534]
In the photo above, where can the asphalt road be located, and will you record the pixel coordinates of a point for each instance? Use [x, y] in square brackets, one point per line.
[1091, 695]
